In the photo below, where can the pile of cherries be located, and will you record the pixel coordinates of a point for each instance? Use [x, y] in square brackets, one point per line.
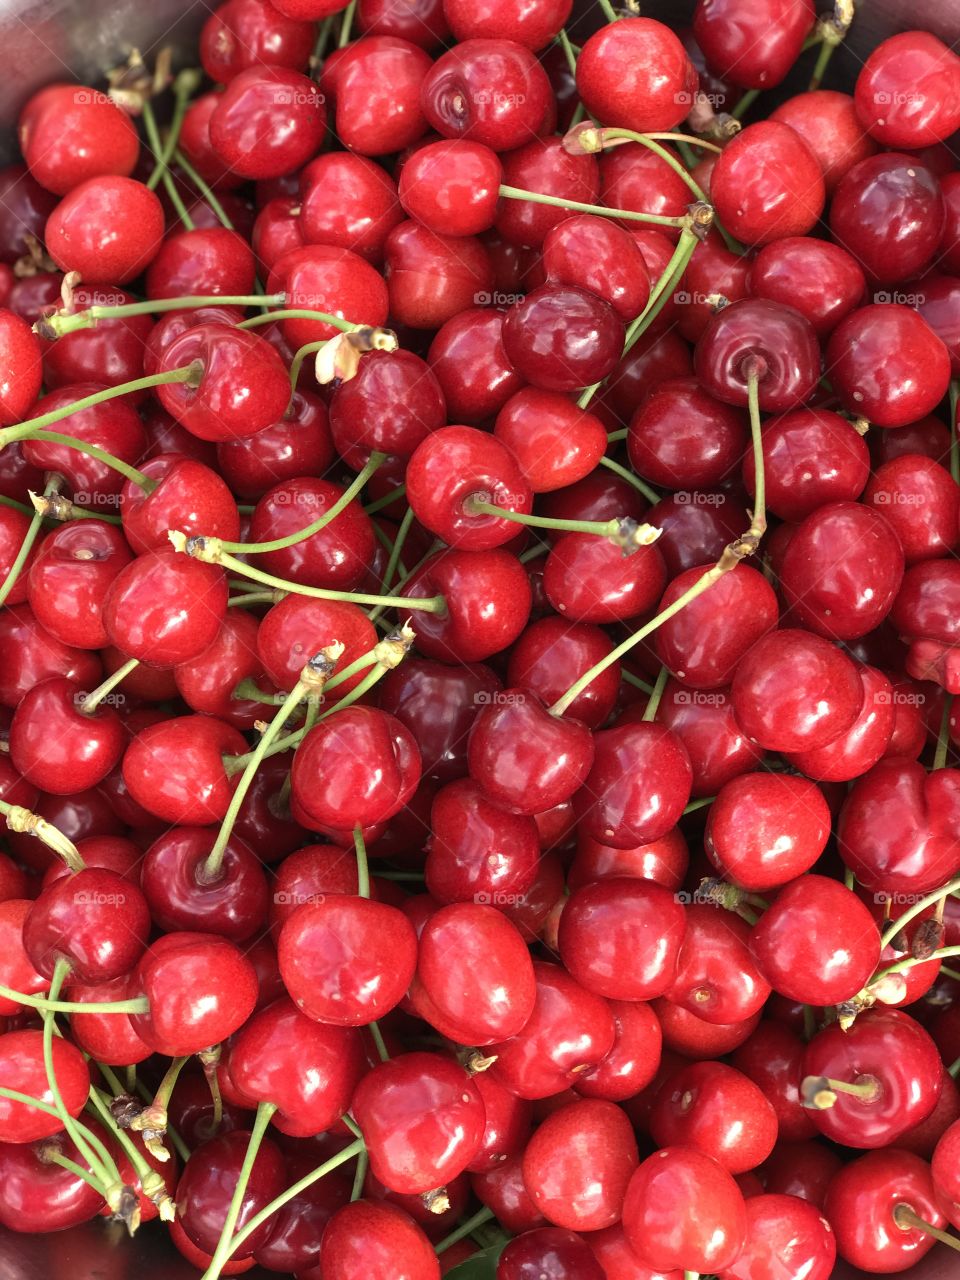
[479, 503]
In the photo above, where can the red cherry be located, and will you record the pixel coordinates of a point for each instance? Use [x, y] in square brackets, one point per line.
[908, 91]
[712, 1230]
[632, 1062]
[108, 229]
[477, 850]
[377, 86]
[22, 368]
[22, 1069]
[888, 211]
[286, 449]
[321, 277]
[717, 1110]
[765, 829]
[784, 1231]
[69, 133]
[817, 942]
[635, 73]
[57, 745]
[189, 497]
[553, 1253]
[767, 184]
[811, 457]
[707, 727]
[468, 360]
[175, 769]
[107, 1037]
[773, 1059]
[594, 254]
[552, 654]
[821, 280]
[208, 260]
[392, 405]
[40, 1195]
[588, 579]
[638, 785]
[113, 426]
[137, 608]
[297, 627]
[17, 971]
[378, 1241]
[489, 91]
[543, 165]
[268, 121]
[336, 556]
[431, 277]
[801, 1169]
[247, 33]
[869, 739]
[716, 977]
[752, 47]
[681, 437]
[561, 338]
[452, 187]
[827, 121]
[207, 1184]
[695, 527]
[553, 441]
[772, 340]
[232, 903]
[348, 201]
[30, 654]
[207, 682]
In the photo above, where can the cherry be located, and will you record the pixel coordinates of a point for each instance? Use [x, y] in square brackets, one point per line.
[57, 745]
[594, 254]
[681, 437]
[477, 851]
[588, 579]
[869, 739]
[550, 657]
[846, 947]
[188, 496]
[636, 74]
[113, 426]
[801, 1169]
[246, 33]
[811, 457]
[888, 211]
[544, 166]
[175, 768]
[110, 352]
[30, 654]
[549, 1253]
[293, 446]
[40, 1195]
[376, 1240]
[711, 1233]
[22, 1070]
[794, 691]
[827, 121]
[507, 1125]
[862, 1205]
[294, 1243]
[503, 1191]
[773, 1059]
[716, 977]
[707, 727]
[452, 187]
[431, 277]
[944, 1169]
[377, 85]
[326, 278]
[392, 405]
[634, 177]
[896, 829]
[784, 1231]
[769, 339]
[634, 1059]
[474, 979]
[422, 22]
[755, 47]
[638, 785]
[554, 442]
[14, 526]
[606, 922]
[821, 280]
[208, 260]
[717, 1110]
[468, 360]
[69, 134]
[107, 1037]
[252, 133]
[207, 682]
[767, 184]
[765, 829]
[22, 368]
[561, 338]
[18, 972]
[908, 91]
[422, 1120]
[569, 1031]
[108, 229]
[307, 1069]
[200, 988]
[488, 600]
[182, 895]
[174, 324]
[297, 627]
[357, 768]
[695, 527]
[136, 610]
[489, 91]
[25, 206]
[207, 1183]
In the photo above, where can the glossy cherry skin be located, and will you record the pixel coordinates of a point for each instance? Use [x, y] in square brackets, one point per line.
[888, 212]
[846, 948]
[307, 1069]
[561, 338]
[268, 121]
[705, 723]
[775, 339]
[392, 405]
[113, 426]
[68, 134]
[900, 388]
[376, 1240]
[784, 1231]
[297, 627]
[346, 960]
[17, 971]
[588, 579]
[452, 187]
[637, 788]
[208, 260]
[422, 22]
[621, 938]
[767, 184]
[360, 218]
[811, 457]
[752, 45]
[869, 739]
[95, 919]
[794, 691]
[232, 905]
[715, 975]
[201, 989]
[908, 91]
[554, 442]
[636, 74]
[290, 447]
[544, 166]
[703, 643]
[245, 33]
[532, 25]
[469, 361]
[175, 768]
[773, 1059]
[802, 1169]
[595, 254]
[710, 1233]
[827, 121]
[22, 371]
[136, 611]
[107, 1037]
[695, 527]
[31, 654]
[57, 746]
[294, 1242]
[207, 1183]
[682, 438]
[570, 1030]
[822, 281]
[206, 683]
[359, 767]
[552, 654]
[718, 1110]
[376, 87]
[488, 91]
[634, 1059]
[897, 828]
[503, 1190]
[108, 229]
[189, 497]
[422, 1119]
[477, 848]
[322, 277]
[921, 501]
[549, 1253]
[334, 557]
[889, 1048]
[474, 978]
[860, 1204]
[764, 829]
[943, 1167]
[26, 207]
[488, 600]
[40, 1195]
[21, 1065]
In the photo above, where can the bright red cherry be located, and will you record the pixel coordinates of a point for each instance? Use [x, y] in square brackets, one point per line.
[452, 187]
[544, 166]
[468, 360]
[552, 654]
[96, 920]
[41, 1195]
[773, 1059]
[682, 438]
[298, 627]
[113, 426]
[378, 1241]
[595, 254]
[322, 277]
[359, 217]
[376, 86]
[706, 725]
[638, 786]
[138, 615]
[783, 1231]
[175, 768]
[554, 442]
[108, 229]
[207, 260]
[908, 91]
[268, 121]
[861, 1206]
[766, 828]
[477, 850]
[22, 1069]
[392, 405]
[718, 1110]
[231, 903]
[767, 184]
[716, 977]
[821, 280]
[635, 74]
[753, 46]
[69, 133]
[22, 368]
[247, 33]
[432, 277]
[57, 746]
[868, 739]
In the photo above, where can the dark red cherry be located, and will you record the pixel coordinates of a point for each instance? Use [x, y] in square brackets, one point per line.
[549, 1253]
[752, 47]
[811, 457]
[823, 281]
[682, 438]
[22, 1069]
[468, 359]
[638, 785]
[773, 1059]
[392, 404]
[817, 942]
[705, 723]
[294, 1243]
[908, 91]
[431, 277]
[635, 74]
[478, 848]
[695, 526]
[771, 340]
[113, 426]
[767, 184]
[561, 338]
[801, 1169]
[336, 556]
[231, 903]
[489, 91]
[377, 1240]
[109, 352]
[26, 206]
[552, 654]
[58, 746]
[349, 201]
[208, 1181]
[30, 654]
[298, 445]
[888, 212]
[175, 769]
[794, 691]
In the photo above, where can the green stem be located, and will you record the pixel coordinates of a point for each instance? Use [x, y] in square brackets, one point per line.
[226, 1243]
[702, 803]
[636, 682]
[568, 51]
[943, 737]
[745, 103]
[641, 486]
[204, 188]
[608, 10]
[26, 546]
[298, 313]
[650, 714]
[602, 528]
[301, 535]
[954, 1069]
[823, 61]
[917, 909]
[465, 1229]
[296, 364]
[254, 597]
[382, 1052]
[363, 871]
[50, 1004]
[156, 146]
[48, 1109]
[363, 1161]
[387, 500]
[96, 696]
[16, 506]
[167, 1085]
[60, 325]
[944, 953]
[346, 24]
[141, 1166]
[577, 206]
[397, 549]
[954, 446]
[22, 820]
[49, 1156]
[183, 87]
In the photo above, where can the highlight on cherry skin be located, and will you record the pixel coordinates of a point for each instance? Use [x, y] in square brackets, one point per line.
[480, 632]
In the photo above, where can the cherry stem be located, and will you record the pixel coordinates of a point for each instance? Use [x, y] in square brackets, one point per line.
[206, 191]
[690, 139]
[49, 1155]
[29, 538]
[609, 12]
[50, 1004]
[653, 705]
[819, 1093]
[250, 598]
[185, 85]
[347, 24]
[952, 886]
[830, 32]
[377, 1035]
[90, 701]
[363, 870]
[387, 500]
[569, 51]
[691, 1275]
[954, 1068]
[943, 737]
[226, 1243]
[257, 1221]
[758, 525]
[191, 373]
[297, 313]
[150, 1180]
[56, 326]
[209, 1060]
[38, 1104]
[165, 1089]
[622, 531]
[169, 182]
[208, 550]
[363, 1162]
[301, 535]
[465, 1229]
[300, 355]
[24, 822]
[397, 549]
[636, 682]
[641, 487]
[943, 953]
[577, 206]
[744, 103]
[907, 1220]
[954, 447]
